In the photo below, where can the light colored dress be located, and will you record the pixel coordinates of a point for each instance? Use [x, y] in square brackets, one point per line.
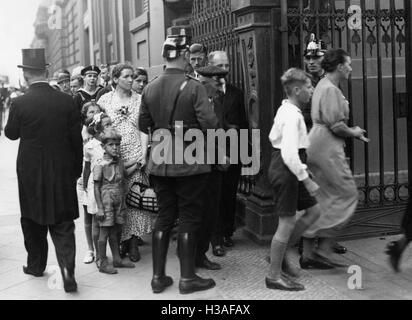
[327, 162]
[125, 120]
[93, 152]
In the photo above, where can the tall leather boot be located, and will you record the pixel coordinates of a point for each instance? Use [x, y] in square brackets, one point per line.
[159, 253]
[189, 281]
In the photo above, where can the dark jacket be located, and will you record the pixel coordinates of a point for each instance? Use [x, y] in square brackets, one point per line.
[234, 108]
[82, 97]
[193, 108]
[50, 154]
[234, 113]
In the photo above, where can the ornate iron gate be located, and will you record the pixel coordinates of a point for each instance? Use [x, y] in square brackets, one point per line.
[374, 32]
[213, 25]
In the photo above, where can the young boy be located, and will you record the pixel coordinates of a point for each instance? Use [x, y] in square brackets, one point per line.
[293, 188]
[109, 176]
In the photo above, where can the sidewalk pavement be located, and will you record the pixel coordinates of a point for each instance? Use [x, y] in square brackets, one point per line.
[242, 276]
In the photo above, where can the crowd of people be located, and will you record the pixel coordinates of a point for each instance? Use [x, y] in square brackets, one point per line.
[100, 127]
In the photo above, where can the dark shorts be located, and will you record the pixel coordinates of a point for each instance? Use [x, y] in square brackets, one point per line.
[289, 194]
[114, 207]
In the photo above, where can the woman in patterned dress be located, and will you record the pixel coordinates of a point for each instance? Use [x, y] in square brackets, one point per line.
[123, 107]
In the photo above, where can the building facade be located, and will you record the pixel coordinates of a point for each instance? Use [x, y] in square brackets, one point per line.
[82, 32]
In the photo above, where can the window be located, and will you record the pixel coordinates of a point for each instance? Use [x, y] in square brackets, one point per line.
[141, 50]
[138, 7]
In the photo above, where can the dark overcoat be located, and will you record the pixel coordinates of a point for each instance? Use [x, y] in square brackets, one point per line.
[50, 153]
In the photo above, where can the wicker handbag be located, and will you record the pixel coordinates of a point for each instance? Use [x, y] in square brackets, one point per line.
[142, 196]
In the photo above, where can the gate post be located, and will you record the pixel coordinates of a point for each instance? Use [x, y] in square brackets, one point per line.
[260, 50]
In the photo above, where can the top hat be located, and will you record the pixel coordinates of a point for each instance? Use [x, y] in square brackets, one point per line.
[212, 71]
[315, 48]
[34, 59]
[174, 44]
[91, 68]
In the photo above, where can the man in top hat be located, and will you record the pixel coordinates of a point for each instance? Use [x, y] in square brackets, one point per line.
[91, 88]
[63, 80]
[198, 54]
[48, 164]
[212, 78]
[167, 102]
[234, 117]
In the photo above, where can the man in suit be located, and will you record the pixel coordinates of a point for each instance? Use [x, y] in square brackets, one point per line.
[170, 105]
[234, 117]
[212, 78]
[48, 164]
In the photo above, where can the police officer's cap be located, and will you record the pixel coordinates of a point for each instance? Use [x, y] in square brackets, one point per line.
[315, 48]
[212, 71]
[174, 44]
[90, 69]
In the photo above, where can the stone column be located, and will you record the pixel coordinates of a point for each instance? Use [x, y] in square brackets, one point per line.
[260, 49]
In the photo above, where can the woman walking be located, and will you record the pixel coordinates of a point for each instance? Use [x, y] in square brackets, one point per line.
[123, 107]
[338, 196]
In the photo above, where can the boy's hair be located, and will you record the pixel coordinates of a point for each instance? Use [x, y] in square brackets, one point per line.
[293, 77]
[110, 134]
[95, 125]
[86, 107]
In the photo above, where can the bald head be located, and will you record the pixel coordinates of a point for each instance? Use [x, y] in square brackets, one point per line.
[219, 59]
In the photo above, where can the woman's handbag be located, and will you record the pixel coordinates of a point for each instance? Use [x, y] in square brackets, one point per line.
[142, 196]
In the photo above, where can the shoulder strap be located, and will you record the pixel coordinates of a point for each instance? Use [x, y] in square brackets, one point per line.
[182, 87]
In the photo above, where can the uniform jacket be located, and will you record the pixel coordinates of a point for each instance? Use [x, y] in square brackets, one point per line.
[50, 153]
[193, 108]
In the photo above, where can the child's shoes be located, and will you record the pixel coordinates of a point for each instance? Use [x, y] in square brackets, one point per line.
[89, 258]
[123, 264]
[105, 267]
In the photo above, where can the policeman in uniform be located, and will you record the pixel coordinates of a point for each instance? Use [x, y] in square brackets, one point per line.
[171, 104]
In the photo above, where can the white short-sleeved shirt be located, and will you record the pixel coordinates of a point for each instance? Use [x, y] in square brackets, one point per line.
[289, 134]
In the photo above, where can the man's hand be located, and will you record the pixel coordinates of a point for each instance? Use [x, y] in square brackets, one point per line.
[312, 187]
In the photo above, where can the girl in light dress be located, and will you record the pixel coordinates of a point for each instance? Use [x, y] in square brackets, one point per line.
[89, 110]
[93, 152]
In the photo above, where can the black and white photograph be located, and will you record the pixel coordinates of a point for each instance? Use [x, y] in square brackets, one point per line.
[223, 152]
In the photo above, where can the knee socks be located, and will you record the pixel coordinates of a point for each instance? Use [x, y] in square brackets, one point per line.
[277, 253]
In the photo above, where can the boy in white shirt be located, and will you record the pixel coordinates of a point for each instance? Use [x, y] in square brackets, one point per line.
[293, 189]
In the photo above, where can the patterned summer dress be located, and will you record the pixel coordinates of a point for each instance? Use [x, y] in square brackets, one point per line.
[125, 120]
